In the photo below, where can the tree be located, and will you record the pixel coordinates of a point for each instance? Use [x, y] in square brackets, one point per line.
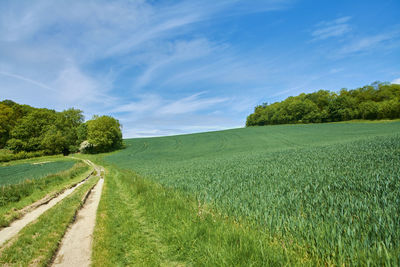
[6, 123]
[54, 141]
[31, 130]
[104, 133]
[375, 101]
[69, 123]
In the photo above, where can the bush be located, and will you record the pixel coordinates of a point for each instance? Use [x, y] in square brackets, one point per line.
[8, 155]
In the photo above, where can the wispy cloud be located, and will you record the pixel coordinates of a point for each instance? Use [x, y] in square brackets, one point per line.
[334, 28]
[191, 104]
[145, 103]
[396, 81]
[366, 43]
[51, 54]
[156, 105]
[28, 80]
[145, 62]
[164, 60]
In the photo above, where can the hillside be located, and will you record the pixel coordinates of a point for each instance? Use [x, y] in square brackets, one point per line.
[142, 153]
[327, 191]
[296, 195]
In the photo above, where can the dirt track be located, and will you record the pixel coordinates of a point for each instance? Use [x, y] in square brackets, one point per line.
[76, 246]
[16, 226]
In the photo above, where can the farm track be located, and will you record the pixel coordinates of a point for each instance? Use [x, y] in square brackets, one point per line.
[33, 211]
[16, 226]
[46, 199]
[76, 246]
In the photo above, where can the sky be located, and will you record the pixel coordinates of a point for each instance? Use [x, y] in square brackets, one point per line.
[175, 67]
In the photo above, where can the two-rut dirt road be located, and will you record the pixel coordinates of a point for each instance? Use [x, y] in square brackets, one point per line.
[75, 248]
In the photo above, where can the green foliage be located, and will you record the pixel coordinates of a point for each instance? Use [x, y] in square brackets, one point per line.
[24, 129]
[104, 134]
[331, 189]
[10, 114]
[6, 114]
[7, 155]
[377, 101]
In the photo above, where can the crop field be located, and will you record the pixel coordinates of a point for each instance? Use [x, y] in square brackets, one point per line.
[332, 189]
[17, 173]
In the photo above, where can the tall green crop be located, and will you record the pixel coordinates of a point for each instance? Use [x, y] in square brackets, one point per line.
[27, 171]
[333, 189]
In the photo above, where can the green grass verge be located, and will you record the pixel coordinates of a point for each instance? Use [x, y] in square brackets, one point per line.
[15, 197]
[37, 243]
[141, 223]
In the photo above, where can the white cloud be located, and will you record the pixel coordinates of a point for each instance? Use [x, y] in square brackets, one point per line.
[396, 81]
[176, 53]
[28, 80]
[190, 104]
[153, 115]
[72, 53]
[335, 28]
[144, 104]
[155, 105]
[75, 87]
[366, 43]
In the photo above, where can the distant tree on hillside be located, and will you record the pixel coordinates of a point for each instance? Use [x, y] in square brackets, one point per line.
[375, 101]
[103, 134]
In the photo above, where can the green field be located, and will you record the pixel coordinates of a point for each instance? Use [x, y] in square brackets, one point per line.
[17, 173]
[330, 189]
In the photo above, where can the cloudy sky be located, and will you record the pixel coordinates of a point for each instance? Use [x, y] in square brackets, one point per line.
[173, 67]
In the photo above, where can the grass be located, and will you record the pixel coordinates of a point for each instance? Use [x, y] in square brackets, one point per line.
[141, 223]
[330, 191]
[37, 243]
[15, 197]
[142, 154]
[14, 174]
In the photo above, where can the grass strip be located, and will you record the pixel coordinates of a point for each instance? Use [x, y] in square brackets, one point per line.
[37, 243]
[141, 223]
[16, 197]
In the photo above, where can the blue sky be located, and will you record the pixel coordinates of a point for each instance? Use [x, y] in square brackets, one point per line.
[174, 67]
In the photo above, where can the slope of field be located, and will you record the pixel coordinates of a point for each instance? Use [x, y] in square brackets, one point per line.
[144, 153]
[17, 173]
[330, 188]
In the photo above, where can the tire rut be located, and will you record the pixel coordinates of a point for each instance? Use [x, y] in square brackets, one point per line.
[76, 246]
[16, 226]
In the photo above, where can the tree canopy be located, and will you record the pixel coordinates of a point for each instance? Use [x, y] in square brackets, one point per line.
[375, 101]
[29, 129]
[104, 133]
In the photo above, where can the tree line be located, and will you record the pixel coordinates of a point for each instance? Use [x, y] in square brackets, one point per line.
[371, 102]
[44, 131]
